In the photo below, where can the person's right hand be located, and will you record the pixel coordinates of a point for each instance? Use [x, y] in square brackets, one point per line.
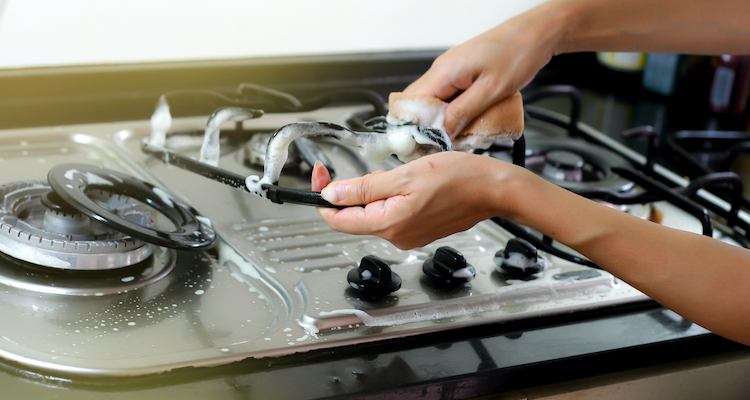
[491, 66]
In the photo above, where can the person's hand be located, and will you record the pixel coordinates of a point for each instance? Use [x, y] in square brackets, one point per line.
[421, 201]
[490, 67]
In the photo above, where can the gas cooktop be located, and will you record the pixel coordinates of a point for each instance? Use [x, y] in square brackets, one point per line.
[87, 298]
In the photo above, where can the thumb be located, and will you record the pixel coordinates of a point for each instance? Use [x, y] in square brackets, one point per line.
[358, 191]
[320, 177]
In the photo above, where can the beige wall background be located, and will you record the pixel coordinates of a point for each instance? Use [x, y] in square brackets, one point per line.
[43, 33]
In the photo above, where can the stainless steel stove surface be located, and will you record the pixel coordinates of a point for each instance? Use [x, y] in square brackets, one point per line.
[276, 281]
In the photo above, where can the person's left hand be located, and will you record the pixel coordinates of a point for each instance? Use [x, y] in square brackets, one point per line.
[418, 202]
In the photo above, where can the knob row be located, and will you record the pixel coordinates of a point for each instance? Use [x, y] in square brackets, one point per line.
[447, 268]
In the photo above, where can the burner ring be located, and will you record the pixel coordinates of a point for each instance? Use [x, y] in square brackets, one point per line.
[24, 235]
[70, 181]
[88, 282]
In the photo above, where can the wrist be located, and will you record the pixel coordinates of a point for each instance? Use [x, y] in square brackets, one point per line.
[546, 27]
[511, 190]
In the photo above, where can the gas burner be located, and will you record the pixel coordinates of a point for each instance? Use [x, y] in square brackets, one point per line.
[563, 165]
[575, 165]
[60, 238]
[579, 167]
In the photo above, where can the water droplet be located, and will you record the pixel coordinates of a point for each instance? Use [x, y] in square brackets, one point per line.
[131, 323]
[127, 278]
[199, 292]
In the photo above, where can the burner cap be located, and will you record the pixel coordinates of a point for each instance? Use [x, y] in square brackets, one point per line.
[563, 165]
[54, 202]
[564, 159]
[192, 232]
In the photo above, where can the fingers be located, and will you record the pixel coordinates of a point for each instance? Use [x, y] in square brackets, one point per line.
[481, 95]
[364, 190]
[320, 177]
[434, 83]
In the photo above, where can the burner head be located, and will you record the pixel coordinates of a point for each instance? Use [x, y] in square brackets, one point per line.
[51, 237]
[575, 165]
[563, 166]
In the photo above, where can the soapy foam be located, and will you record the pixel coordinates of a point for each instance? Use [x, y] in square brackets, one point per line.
[520, 261]
[210, 148]
[30, 255]
[419, 112]
[91, 178]
[407, 142]
[164, 196]
[161, 121]
[464, 273]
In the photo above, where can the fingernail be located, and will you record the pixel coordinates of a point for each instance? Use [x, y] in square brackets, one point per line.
[317, 162]
[333, 193]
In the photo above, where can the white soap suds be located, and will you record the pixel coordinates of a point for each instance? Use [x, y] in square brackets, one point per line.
[464, 273]
[91, 178]
[309, 326]
[419, 112]
[210, 148]
[164, 196]
[30, 255]
[407, 142]
[520, 261]
[161, 121]
[203, 220]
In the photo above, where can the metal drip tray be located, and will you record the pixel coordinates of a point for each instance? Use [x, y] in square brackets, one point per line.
[275, 283]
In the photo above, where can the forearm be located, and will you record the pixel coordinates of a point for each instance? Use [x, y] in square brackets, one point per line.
[670, 26]
[703, 279]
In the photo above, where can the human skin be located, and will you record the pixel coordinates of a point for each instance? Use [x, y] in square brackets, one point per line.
[501, 61]
[704, 280]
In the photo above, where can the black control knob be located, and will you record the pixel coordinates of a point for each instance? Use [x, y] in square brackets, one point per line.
[373, 278]
[448, 267]
[519, 258]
